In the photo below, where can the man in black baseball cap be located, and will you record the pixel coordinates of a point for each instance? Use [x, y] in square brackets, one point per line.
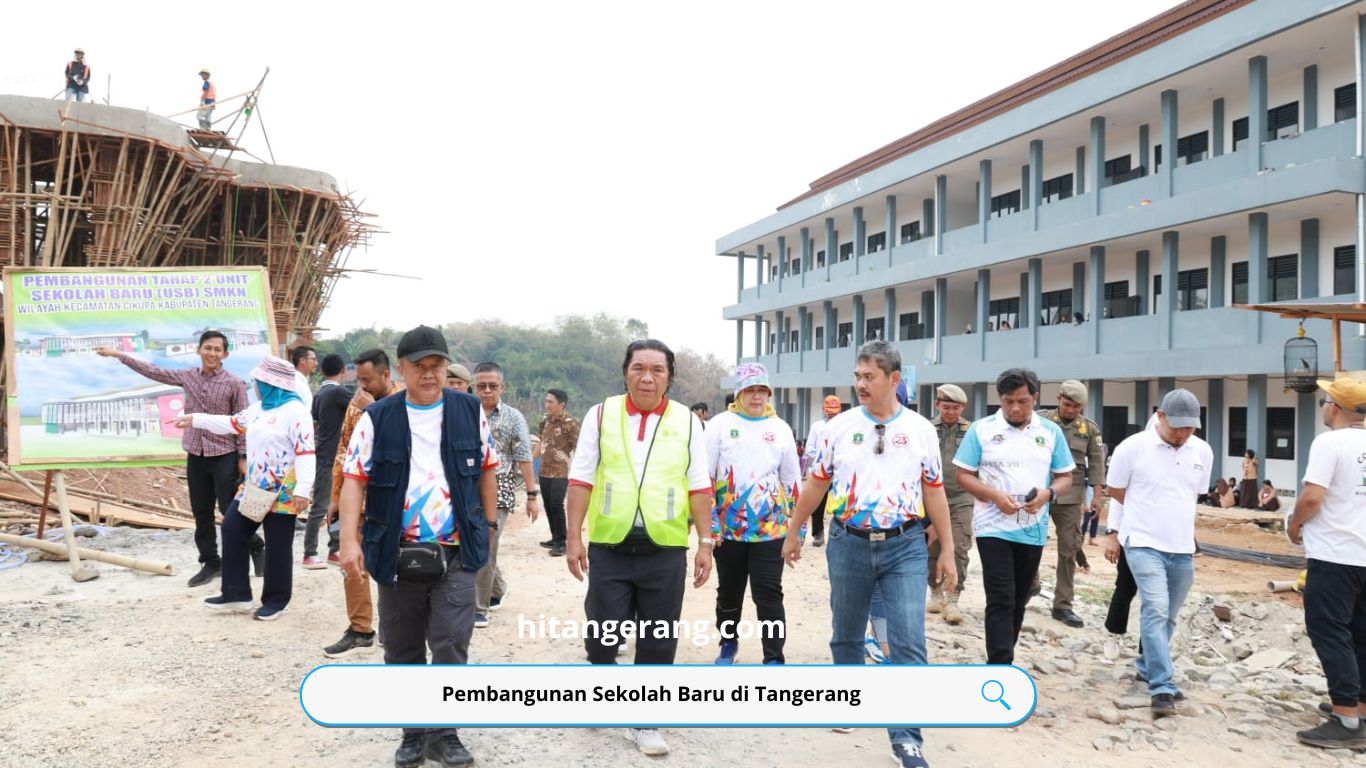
[423, 341]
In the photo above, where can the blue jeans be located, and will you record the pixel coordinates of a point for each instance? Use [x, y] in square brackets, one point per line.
[1164, 579]
[75, 93]
[899, 568]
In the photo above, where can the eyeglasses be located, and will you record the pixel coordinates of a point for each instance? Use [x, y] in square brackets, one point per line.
[881, 430]
[1325, 401]
[486, 387]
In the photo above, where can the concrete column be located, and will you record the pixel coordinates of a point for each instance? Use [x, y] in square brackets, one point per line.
[926, 404]
[1309, 103]
[1145, 158]
[927, 217]
[1097, 151]
[803, 340]
[1256, 114]
[807, 252]
[891, 227]
[1026, 318]
[759, 254]
[858, 320]
[784, 267]
[830, 330]
[889, 329]
[1143, 409]
[983, 196]
[1096, 307]
[780, 342]
[1171, 267]
[758, 335]
[941, 218]
[1168, 142]
[1306, 418]
[739, 341]
[739, 277]
[937, 329]
[1026, 200]
[1141, 276]
[1309, 259]
[979, 321]
[927, 312]
[1216, 139]
[1257, 236]
[1217, 271]
[1078, 288]
[1035, 181]
[1035, 275]
[1214, 428]
[1360, 63]
[979, 401]
[1165, 384]
[1256, 421]
[1095, 402]
[860, 239]
[831, 245]
[1079, 176]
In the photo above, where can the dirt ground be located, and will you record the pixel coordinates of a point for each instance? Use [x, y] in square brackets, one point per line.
[130, 669]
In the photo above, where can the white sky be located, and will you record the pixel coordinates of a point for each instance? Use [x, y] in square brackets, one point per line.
[529, 160]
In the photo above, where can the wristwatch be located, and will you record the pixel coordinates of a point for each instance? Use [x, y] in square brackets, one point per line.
[493, 524]
[532, 494]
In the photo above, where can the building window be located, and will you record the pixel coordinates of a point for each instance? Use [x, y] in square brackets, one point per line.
[874, 328]
[1114, 425]
[1118, 302]
[1280, 433]
[1057, 307]
[773, 273]
[910, 232]
[1004, 205]
[877, 242]
[820, 337]
[1283, 121]
[796, 267]
[820, 258]
[1239, 132]
[1192, 290]
[1344, 269]
[909, 326]
[1193, 148]
[1240, 282]
[771, 341]
[793, 340]
[1059, 188]
[846, 251]
[1116, 167]
[845, 337]
[1282, 278]
[1345, 102]
[1237, 432]
[1003, 314]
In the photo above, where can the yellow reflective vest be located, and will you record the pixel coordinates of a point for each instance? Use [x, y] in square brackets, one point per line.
[660, 495]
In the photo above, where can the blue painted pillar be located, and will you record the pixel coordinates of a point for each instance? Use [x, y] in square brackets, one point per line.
[1026, 201]
[759, 254]
[1168, 170]
[739, 277]
[979, 401]
[926, 405]
[803, 329]
[1214, 429]
[979, 322]
[1306, 418]
[1078, 288]
[758, 335]
[1217, 271]
[739, 341]
[890, 235]
[927, 216]
[1141, 276]
[1035, 274]
[1026, 318]
[831, 246]
[1096, 309]
[1143, 409]
[889, 329]
[1309, 259]
[1256, 113]
[983, 196]
[1165, 384]
[784, 267]
[860, 239]
[830, 330]
[1144, 157]
[938, 328]
[1035, 181]
[1171, 267]
[1095, 403]
[1257, 235]
[1309, 114]
[1256, 421]
[779, 340]
[1079, 177]
[858, 320]
[941, 211]
[1097, 151]
[927, 313]
[1216, 142]
[807, 252]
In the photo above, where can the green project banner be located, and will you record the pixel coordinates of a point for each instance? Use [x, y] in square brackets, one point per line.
[69, 407]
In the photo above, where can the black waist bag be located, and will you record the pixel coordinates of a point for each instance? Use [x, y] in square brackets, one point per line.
[421, 562]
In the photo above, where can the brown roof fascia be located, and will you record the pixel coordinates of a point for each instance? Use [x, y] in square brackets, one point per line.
[1128, 43]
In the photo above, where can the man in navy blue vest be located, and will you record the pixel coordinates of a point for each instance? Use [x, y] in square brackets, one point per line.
[423, 462]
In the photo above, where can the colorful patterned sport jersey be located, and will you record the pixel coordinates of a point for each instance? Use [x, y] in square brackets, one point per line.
[753, 461]
[876, 468]
[1016, 460]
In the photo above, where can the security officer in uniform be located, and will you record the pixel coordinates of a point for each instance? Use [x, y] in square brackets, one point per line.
[1083, 437]
[949, 401]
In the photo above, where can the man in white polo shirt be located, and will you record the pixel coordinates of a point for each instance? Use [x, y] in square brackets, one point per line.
[1015, 463]
[1157, 475]
[1330, 520]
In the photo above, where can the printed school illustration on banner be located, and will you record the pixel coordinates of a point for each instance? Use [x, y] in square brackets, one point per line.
[70, 407]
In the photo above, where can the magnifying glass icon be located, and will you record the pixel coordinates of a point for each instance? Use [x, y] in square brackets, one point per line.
[997, 694]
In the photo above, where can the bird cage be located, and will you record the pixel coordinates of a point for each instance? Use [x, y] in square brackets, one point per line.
[1301, 362]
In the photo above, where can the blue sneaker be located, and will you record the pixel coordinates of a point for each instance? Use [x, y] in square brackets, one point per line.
[774, 661]
[728, 650]
[908, 755]
[873, 650]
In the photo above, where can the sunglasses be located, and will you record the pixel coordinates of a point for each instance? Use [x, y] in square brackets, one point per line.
[881, 445]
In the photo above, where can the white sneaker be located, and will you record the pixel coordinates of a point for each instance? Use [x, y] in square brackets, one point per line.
[648, 741]
[1112, 647]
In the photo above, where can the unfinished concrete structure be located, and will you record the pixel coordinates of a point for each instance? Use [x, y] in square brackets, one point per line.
[85, 184]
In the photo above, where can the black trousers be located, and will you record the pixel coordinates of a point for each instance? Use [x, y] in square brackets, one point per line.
[1126, 589]
[553, 490]
[645, 587]
[760, 563]
[1335, 619]
[1008, 570]
[818, 517]
[211, 480]
[238, 534]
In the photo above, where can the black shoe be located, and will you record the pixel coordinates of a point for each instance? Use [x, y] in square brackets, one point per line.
[258, 562]
[1326, 707]
[410, 752]
[1066, 616]
[1164, 705]
[557, 550]
[818, 540]
[1332, 734]
[447, 750]
[206, 574]
[351, 642]
[548, 543]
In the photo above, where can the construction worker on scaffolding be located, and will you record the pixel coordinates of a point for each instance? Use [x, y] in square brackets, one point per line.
[77, 77]
[207, 98]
